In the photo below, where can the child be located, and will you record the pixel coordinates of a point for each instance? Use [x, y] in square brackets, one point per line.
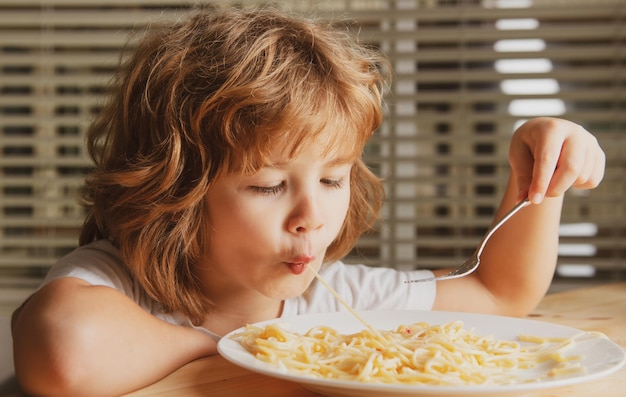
[227, 161]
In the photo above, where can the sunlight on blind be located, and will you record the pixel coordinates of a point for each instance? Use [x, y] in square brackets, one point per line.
[442, 148]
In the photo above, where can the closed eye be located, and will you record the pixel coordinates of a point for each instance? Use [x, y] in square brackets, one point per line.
[333, 183]
[268, 190]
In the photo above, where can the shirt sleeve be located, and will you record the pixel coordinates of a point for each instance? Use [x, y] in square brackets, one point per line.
[96, 263]
[99, 263]
[365, 288]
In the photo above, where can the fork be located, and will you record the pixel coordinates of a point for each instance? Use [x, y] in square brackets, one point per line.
[474, 261]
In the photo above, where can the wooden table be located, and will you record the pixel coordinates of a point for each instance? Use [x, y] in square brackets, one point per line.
[600, 308]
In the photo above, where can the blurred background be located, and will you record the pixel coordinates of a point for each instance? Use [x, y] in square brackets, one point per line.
[467, 72]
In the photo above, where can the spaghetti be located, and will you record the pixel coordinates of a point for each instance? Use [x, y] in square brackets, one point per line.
[420, 353]
[444, 354]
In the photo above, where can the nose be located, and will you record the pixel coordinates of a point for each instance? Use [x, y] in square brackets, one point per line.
[305, 216]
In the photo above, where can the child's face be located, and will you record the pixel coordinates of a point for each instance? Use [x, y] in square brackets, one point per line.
[267, 226]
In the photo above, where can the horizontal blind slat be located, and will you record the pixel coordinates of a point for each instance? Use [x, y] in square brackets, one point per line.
[442, 148]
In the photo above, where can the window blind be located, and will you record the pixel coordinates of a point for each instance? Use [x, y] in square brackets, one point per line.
[466, 73]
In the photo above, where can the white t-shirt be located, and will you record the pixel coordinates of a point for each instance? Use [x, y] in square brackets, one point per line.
[362, 287]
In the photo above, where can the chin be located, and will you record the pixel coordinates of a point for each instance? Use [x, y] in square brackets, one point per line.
[289, 293]
[287, 287]
[292, 294]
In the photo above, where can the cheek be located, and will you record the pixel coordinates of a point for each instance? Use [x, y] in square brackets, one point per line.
[239, 224]
[236, 243]
[236, 222]
[339, 209]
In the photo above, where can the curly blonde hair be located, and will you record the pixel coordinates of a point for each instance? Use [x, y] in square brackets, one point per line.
[212, 95]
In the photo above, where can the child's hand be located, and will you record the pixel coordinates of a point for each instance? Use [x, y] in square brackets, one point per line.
[548, 156]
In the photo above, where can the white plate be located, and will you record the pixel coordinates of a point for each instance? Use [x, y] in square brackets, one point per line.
[601, 356]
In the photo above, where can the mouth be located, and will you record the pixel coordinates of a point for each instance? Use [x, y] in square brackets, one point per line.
[296, 268]
[298, 265]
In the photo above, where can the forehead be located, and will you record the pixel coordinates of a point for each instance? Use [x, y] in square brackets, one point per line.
[284, 140]
[323, 147]
[332, 143]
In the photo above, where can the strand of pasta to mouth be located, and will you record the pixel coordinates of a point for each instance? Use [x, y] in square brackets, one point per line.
[346, 305]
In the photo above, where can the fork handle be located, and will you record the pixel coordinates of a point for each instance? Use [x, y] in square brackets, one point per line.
[505, 218]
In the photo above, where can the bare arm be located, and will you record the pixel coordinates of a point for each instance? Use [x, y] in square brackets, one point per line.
[516, 266]
[548, 156]
[71, 338]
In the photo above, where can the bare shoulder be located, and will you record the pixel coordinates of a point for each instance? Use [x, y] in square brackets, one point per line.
[72, 307]
[51, 295]
[73, 338]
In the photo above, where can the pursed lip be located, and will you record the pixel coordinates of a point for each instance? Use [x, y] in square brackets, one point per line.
[298, 264]
[302, 259]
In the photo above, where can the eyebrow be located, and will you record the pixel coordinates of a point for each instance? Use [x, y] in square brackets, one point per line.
[339, 161]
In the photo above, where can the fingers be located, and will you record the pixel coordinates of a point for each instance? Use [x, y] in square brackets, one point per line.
[521, 164]
[549, 156]
[570, 164]
[546, 161]
[580, 166]
[593, 172]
